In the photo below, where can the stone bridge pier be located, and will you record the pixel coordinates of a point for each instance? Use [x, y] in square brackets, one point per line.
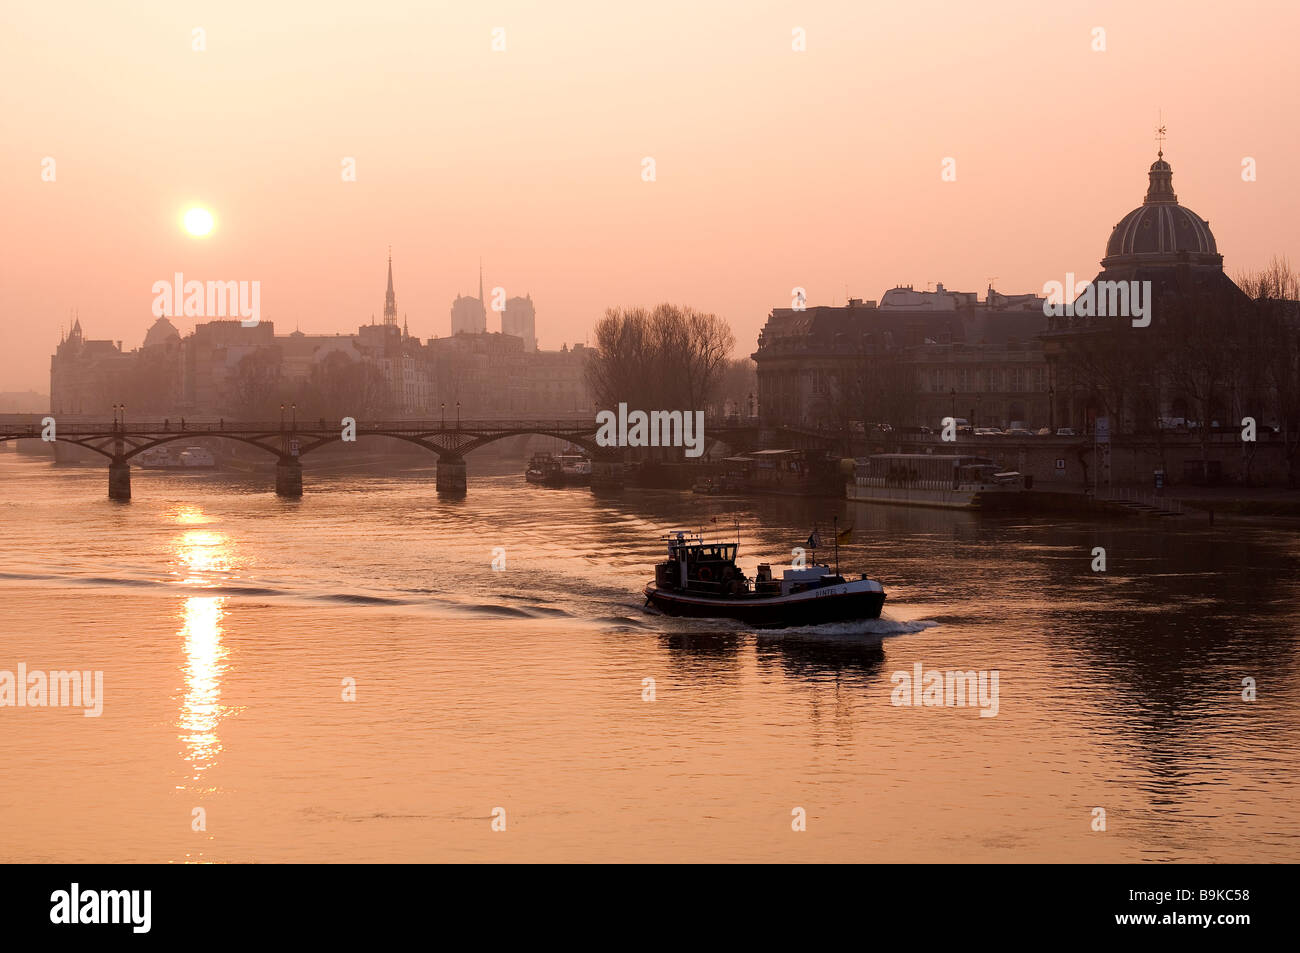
[288, 478]
[451, 475]
[119, 478]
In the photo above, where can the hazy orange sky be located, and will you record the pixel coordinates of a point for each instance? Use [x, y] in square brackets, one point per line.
[775, 168]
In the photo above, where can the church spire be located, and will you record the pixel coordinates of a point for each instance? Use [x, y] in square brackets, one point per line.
[480, 281]
[390, 299]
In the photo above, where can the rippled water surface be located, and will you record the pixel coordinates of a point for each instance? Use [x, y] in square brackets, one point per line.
[226, 620]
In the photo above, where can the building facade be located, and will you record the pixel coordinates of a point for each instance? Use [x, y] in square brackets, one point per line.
[909, 360]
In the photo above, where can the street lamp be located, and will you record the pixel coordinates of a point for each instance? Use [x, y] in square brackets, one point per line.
[444, 415]
[954, 407]
[1051, 409]
[457, 415]
[295, 415]
[282, 416]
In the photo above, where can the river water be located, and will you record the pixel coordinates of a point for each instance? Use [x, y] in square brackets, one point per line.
[230, 624]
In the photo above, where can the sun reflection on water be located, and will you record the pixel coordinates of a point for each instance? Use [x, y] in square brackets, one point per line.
[190, 515]
[205, 665]
[200, 555]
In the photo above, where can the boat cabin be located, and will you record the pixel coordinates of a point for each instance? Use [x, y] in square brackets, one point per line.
[693, 564]
[696, 566]
[927, 471]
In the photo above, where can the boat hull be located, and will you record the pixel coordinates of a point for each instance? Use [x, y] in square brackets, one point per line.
[846, 602]
[556, 479]
[995, 498]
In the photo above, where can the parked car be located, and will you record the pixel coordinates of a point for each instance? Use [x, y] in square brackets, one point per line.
[1044, 431]
[1066, 432]
[1019, 432]
[988, 432]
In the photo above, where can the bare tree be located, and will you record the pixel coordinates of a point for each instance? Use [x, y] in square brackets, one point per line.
[670, 358]
[1274, 358]
[622, 361]
[738, 384]
[341, 387]
[255, 385]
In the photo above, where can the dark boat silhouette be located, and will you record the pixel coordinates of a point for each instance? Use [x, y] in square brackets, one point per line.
[702, 579]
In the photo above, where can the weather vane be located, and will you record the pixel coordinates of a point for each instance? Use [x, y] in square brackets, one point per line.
[1160, 138]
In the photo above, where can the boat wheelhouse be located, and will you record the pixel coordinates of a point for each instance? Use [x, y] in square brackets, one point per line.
[933, 479]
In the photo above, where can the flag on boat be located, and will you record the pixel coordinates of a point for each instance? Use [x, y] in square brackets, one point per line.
[844, 537]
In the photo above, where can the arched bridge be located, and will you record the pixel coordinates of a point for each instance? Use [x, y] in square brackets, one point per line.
[121, 442]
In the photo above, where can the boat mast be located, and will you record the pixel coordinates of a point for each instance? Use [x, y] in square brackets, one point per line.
[836, 530]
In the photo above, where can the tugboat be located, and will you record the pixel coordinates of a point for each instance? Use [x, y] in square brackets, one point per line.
[702, 579]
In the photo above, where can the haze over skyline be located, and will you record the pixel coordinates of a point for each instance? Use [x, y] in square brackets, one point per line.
[775, 168]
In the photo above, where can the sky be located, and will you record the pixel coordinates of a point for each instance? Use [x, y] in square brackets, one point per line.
[773, 167]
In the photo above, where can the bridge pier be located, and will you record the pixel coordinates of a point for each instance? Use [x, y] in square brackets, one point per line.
[451, 475]
[288, 477]
[119, 479]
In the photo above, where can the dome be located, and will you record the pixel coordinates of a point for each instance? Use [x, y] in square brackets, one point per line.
[162, 332]
[1160, 230]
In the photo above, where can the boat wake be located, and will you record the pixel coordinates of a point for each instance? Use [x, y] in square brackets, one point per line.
[854, 629]
[881, 628]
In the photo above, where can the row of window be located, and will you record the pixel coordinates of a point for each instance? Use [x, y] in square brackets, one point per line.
[973, 380]
[965, 380]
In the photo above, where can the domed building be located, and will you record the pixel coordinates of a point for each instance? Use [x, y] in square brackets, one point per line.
[1160, 231]
[162, 334]
[1146, 377]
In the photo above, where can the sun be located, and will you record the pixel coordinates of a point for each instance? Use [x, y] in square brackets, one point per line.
[198, 221]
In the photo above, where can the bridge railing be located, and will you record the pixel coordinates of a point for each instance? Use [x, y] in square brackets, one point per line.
[175, 426]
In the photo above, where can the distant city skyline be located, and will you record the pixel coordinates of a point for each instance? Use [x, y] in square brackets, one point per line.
[821, 169]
